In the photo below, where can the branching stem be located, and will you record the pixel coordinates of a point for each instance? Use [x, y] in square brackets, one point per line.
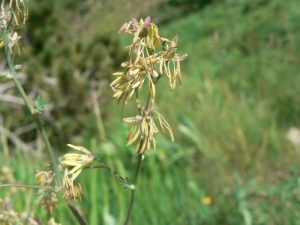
[137, 172]
[27, 103]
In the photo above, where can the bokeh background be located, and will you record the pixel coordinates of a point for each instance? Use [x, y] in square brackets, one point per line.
[236, 118]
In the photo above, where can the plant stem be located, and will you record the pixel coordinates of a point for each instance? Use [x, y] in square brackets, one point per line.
[76, 214]
[136, 179]
[94, 167]
[138, 168]
[25, 186]
[30, 108]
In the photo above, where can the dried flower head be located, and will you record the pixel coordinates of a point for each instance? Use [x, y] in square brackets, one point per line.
[49, 200]
[169, 54]
[145, 60]
[47, 197]
[7, 214]
[73, 164]
[12, 12]
[13, 39]
[7, 176]
[144, 128]
[150, 56]
[45, 177]
[73, 191]
[5, 17]
[77, 161]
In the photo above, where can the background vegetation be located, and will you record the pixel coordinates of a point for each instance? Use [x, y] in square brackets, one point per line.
[239, 98]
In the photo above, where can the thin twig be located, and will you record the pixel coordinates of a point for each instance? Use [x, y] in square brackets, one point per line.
[123, 181]
[94, 167]
[25, 186]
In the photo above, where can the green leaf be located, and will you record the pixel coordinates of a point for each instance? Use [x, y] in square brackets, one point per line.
[17, 67]
[6, 76]
[41, 104]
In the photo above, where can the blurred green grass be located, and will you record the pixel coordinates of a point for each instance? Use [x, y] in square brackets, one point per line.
[239, 97]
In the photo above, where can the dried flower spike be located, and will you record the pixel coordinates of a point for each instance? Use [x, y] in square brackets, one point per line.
[73, 191]
[15, 9]
[144, 129]
[150, 56]
[45, 177]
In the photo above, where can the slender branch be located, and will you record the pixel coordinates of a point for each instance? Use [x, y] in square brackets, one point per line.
[27, 103]
[123, 181]
[133, 191]
[26, 186]
[95, 167]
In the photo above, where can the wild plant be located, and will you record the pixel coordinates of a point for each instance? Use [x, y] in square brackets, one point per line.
[150, 58]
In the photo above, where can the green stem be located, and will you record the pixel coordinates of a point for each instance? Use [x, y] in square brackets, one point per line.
[76, 214]
[27, 103]
[133, 191]
[94, 167]
[138, 169]
[25, 186]
[123, 181]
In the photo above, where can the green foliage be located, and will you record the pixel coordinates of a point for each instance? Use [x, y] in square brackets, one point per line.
[168, 11]
[190, 5]
[63, 62]
[246, 51]
[41, 103]
[239, 97]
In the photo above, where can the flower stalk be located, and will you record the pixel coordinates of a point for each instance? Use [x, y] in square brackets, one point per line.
[25, 186]
[150, 57]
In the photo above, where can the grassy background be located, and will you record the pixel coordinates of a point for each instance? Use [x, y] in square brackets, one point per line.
[239, 97]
